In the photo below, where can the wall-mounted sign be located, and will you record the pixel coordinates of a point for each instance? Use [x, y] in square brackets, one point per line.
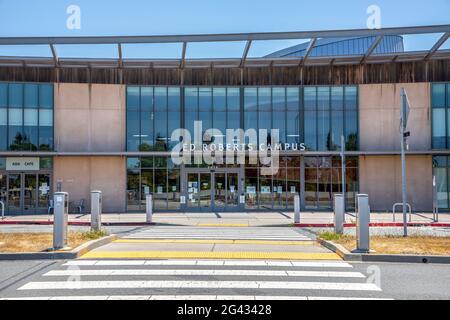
[22, 164]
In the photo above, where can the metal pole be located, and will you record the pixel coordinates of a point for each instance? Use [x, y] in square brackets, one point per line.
[343, 171]
[149, 208]
[403, 159]
[3, 209]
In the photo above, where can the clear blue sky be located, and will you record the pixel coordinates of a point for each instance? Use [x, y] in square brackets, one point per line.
[140, 17]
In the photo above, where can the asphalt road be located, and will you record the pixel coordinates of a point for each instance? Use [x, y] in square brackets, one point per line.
[211, 279]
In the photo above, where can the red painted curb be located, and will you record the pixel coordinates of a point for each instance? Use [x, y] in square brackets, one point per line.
[374, 224]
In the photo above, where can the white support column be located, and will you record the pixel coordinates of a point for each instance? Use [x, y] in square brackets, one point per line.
[148, 208]
[297, 208]
[96, 210]
[61, 217]
[362, 224]
[339, 213]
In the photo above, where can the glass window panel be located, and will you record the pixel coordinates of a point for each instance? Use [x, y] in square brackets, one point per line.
[324, 135]
[448, 95]
[173, 120]
[337, 98]
[133, 195]
[46, 96]
[3, 116]
[324, 188]
[160, 189]
[439, 134]
[233, 120]
[45, 118]
[311, 130]
[160, 99]
[3, 95]
[337, 125]
[146, 99]
[310, 188]
[441, 187]
[280, 124]
[264, 121]
[132, 98]
[438, 95]
[161, 131]
[310, 98]
[292, 130]
[160, 162]
[173, 193]
[233, 99]
[15, 117]
[15, 95]
[351, 98]
[280, 191]
[292, 99]
[219, 99]
[30, 117]
[173, 99]
[45, 163]
[251, 187]
[440, 161]
[45, 138]
[250, 99]
[146, 130]
[351, 130]
[191, 99]
[30, 136]
[133, 131]
[279, 99]
[146, 162]
[323, 98]
[264, 98]
[133, 163]
[31, 96]
[205, 99]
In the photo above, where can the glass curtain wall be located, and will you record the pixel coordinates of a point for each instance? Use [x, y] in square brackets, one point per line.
[274, 108]
[441, 170]
[440, 102]
[152, 114]
[330, 112]
[26, 117]
[155, 175]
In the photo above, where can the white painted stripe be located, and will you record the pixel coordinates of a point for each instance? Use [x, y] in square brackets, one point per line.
[187, 272]
[312, 264]
[189, 297]
[76, 285]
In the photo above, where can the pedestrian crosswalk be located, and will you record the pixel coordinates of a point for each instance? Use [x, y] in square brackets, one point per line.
[198, 280]
[225, 233]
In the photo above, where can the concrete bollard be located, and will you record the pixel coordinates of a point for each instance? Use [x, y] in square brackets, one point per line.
[61, 217]
[96, 210]
[297, 208]
[339, 213]
[149, 208]
[362, 224]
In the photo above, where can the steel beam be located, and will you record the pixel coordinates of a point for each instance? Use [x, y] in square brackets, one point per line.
[245, 53]
[372, 48]
[55, 55]
[119, 49]
[183, 55]
[224, 37]
[437, 45]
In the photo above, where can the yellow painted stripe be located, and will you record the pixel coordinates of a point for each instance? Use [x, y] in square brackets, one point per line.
[218, 241]
[222, 225]
[209, 255]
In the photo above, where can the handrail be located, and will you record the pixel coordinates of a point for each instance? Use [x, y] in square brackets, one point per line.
[401, 204]
[3, 209]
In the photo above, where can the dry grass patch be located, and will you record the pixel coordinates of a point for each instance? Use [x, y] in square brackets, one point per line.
[397, 245]
[39, 242]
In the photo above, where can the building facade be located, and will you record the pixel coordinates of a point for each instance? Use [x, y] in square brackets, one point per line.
[79, 129]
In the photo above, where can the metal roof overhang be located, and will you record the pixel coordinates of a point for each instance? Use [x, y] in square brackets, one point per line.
[368, 58]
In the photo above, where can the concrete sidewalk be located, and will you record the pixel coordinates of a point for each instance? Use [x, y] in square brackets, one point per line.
[235, 219]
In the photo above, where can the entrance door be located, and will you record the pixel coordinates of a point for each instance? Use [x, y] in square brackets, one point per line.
[27, 193]
[212, 189]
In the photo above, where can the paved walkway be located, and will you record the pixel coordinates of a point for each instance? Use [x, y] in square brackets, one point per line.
[228, 219]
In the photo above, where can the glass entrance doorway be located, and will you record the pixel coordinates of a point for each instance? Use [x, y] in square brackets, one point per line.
[25, 193]
[212, 189]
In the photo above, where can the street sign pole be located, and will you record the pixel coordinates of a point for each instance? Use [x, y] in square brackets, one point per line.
[404, 113]
[343, 171]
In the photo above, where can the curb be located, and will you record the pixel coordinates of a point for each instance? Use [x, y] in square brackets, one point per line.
[60, 255]
[76, 223]
[396, 258]
[373, 224]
